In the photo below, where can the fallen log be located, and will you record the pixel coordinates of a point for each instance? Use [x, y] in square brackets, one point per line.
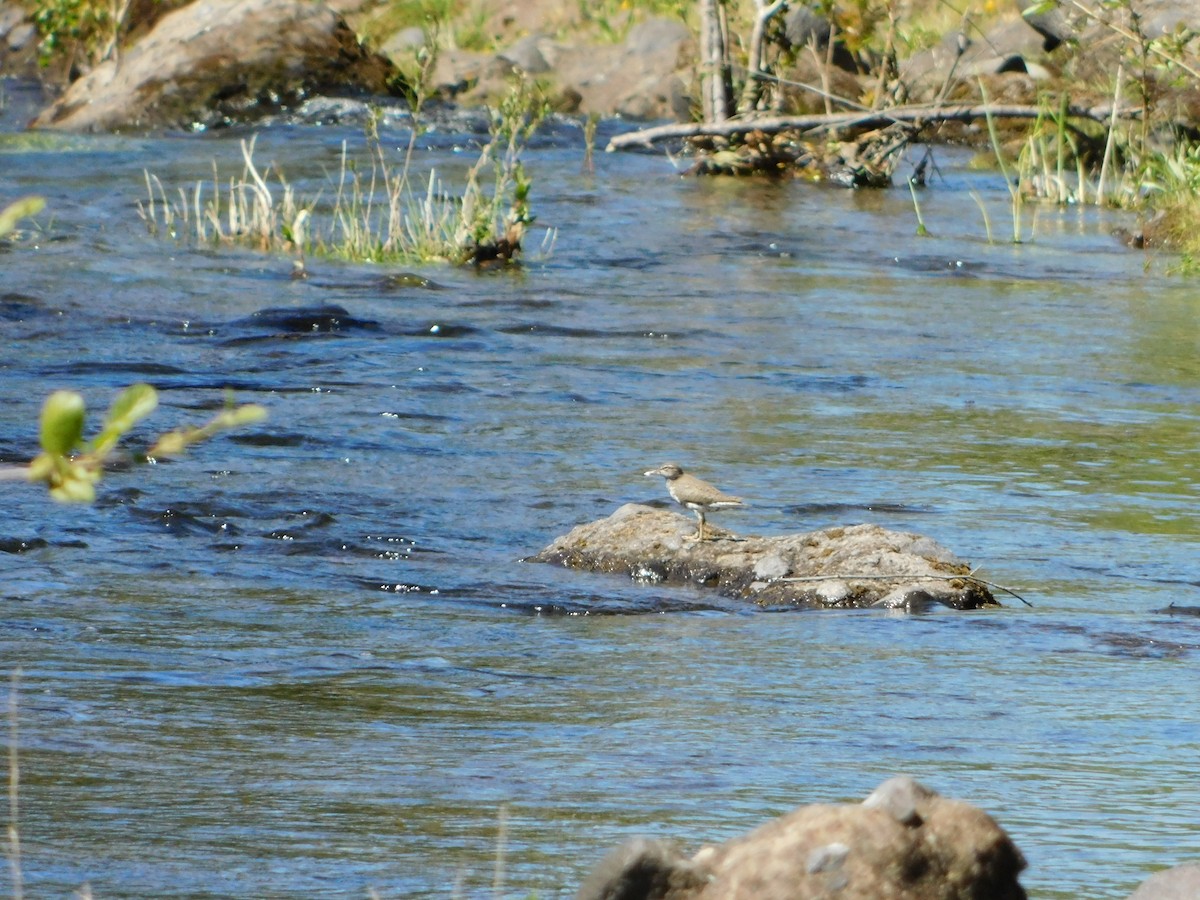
[866, 120]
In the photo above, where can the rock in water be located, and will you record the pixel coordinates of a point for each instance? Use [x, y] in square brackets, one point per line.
[937, 849]
[855, 566]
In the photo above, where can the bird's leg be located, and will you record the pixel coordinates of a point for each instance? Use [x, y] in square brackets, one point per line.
[700, 531]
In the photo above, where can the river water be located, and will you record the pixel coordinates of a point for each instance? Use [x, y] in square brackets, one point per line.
[307, 660]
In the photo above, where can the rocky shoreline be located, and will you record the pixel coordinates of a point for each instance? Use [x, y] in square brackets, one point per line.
[216, 62]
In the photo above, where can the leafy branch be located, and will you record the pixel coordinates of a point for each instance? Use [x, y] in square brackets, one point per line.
[18, 210]
[70, 466]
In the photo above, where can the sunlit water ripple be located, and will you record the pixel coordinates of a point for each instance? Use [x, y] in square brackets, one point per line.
[306, 660]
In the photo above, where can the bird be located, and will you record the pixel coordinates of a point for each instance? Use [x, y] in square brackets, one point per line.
[697, 495]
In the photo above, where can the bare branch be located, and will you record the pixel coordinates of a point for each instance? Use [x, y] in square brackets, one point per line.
[918, 115]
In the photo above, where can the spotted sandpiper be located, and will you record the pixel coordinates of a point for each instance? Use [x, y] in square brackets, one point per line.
[697, 495]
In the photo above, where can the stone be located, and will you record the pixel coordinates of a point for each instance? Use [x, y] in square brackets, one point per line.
[844, 567]
[1008, 47]
[642, 869]
[804, 26]
[646, 77]
[21, 36]
[910, 845]
[1179, 883]
[899, 797]
[528, 54]
[659, 37]
[214, 62]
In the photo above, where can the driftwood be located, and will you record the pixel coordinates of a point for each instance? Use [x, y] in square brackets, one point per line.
[866, 120]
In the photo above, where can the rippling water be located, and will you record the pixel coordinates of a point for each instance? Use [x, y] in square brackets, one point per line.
[306, 660]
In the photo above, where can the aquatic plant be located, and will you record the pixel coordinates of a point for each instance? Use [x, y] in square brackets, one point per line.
[70, 466]
[380, 211]
[1171, 182]
[1011, 182]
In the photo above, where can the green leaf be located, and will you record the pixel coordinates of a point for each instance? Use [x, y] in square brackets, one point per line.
[17, 210]
[62, 422]
[130, 406]
[77, 487]
[175, 442]
[246, 414]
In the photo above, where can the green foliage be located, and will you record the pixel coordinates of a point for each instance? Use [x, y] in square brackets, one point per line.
[73, 478]
[1010, 181]
[18, 210]
[380, 212]
[128, 408]
[71, 29]
[175, 442]
[70, 466]
[61, 432]
[62, 423]
[1172, 189]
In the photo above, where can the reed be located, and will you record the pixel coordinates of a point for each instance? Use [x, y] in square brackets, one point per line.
[380, 211]
[1011, 182]
[922, 231]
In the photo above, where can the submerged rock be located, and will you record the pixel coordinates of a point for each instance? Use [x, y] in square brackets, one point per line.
[855, 566]
[219, 61]
[903, 842]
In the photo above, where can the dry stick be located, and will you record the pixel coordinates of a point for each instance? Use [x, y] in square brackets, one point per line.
[1130, 36]
[752, 92]
[923, 114]
[820, 92]
[885, 65]
[901, 577]
[827, 68]
[960, 49]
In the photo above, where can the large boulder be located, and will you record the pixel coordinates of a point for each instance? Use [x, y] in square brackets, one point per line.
[904, 842]
[647, 76]
[1179, 883]
[855, 566]
[18, 41]
[219, 61]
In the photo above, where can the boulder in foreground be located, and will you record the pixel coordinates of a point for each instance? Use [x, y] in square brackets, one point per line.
[904, 842]
[850, 567]
[1179, 883]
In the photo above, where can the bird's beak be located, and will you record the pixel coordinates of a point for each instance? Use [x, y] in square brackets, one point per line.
[652, 472]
